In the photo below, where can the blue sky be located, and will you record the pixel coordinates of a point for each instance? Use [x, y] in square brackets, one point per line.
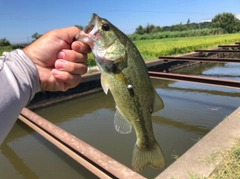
[21, 19]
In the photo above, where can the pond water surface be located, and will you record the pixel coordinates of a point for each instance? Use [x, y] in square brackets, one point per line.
[191, 111]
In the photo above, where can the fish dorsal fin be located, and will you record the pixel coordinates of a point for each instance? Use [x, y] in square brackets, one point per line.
[158, 103]
[104, 84]
[121, 124]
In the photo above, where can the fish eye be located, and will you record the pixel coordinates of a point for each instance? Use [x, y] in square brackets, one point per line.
[105, 27]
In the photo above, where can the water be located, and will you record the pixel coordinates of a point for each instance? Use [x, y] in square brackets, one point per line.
[191, 111]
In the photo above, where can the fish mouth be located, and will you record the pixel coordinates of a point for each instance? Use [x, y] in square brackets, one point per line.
[88, 32]
[91, 24]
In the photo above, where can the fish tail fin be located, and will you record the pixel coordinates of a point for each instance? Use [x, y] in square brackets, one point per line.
[153, 157]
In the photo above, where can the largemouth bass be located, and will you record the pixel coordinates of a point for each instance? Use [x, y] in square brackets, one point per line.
[124, 73]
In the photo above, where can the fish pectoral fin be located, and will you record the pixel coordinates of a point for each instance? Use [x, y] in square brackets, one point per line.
[104, 84]
[121, 124]
[158, 103]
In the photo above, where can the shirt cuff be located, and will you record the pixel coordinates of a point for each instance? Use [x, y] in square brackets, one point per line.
[27, 67]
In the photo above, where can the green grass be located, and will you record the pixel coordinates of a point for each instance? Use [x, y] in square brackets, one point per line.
[151, 49]
[5, 49]
[176, 34]
[230, 165]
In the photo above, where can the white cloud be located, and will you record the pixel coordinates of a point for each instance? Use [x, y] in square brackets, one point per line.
[237, 16]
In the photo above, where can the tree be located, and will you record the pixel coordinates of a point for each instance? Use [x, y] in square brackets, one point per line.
[226, 21]
[204, 25]
[178, 27]
[79, 26]
[4, 42]
[158, 29]
[150, 29]
[140, 30]
[36, 36]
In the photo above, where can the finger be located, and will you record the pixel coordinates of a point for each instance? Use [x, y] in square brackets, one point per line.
[72, 56]
[68, 80]
[71, 67]
[80, 47]
[67, 34]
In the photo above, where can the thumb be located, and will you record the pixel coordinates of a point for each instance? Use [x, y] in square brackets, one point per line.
[67, 34]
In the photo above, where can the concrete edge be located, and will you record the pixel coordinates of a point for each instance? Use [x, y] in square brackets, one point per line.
[195, 161]
[54, 101]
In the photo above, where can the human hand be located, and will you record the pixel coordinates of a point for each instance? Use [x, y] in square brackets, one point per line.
[60, 61]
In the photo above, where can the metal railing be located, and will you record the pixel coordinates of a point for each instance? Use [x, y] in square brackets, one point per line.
[202, 59]
[92, 159]
[195, 79]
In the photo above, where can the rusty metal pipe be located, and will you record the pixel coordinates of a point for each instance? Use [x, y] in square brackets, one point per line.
[217, 51]
[195, 79]
[229, 46]
[97, 162]
[203, 59]
[64, 148]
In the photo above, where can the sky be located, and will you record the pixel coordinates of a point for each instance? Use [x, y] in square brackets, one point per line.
[19, 20]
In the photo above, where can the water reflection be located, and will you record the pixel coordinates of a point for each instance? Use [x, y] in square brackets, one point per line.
[31, 156]
[181, 125]
[199, 69]
[191, 110]
[17, 163]
[220, 70]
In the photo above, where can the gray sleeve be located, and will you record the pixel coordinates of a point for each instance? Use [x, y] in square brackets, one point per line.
[19, 82]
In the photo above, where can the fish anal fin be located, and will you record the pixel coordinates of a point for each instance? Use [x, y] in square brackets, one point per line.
[121, 124]
[104, 84]
[158, 103]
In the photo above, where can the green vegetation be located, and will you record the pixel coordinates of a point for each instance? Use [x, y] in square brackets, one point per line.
[221, 24]
[10, 47]
[152, 49]
[5, 49]
[176, 34]
[228, 168]
[150, 28]
[79, 26]
[36, 36]
[4, 42]
[227, 21]
[230, 165]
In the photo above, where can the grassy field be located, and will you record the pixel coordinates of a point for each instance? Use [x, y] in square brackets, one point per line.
[5, 49]
[152, 49]
[176, 34]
